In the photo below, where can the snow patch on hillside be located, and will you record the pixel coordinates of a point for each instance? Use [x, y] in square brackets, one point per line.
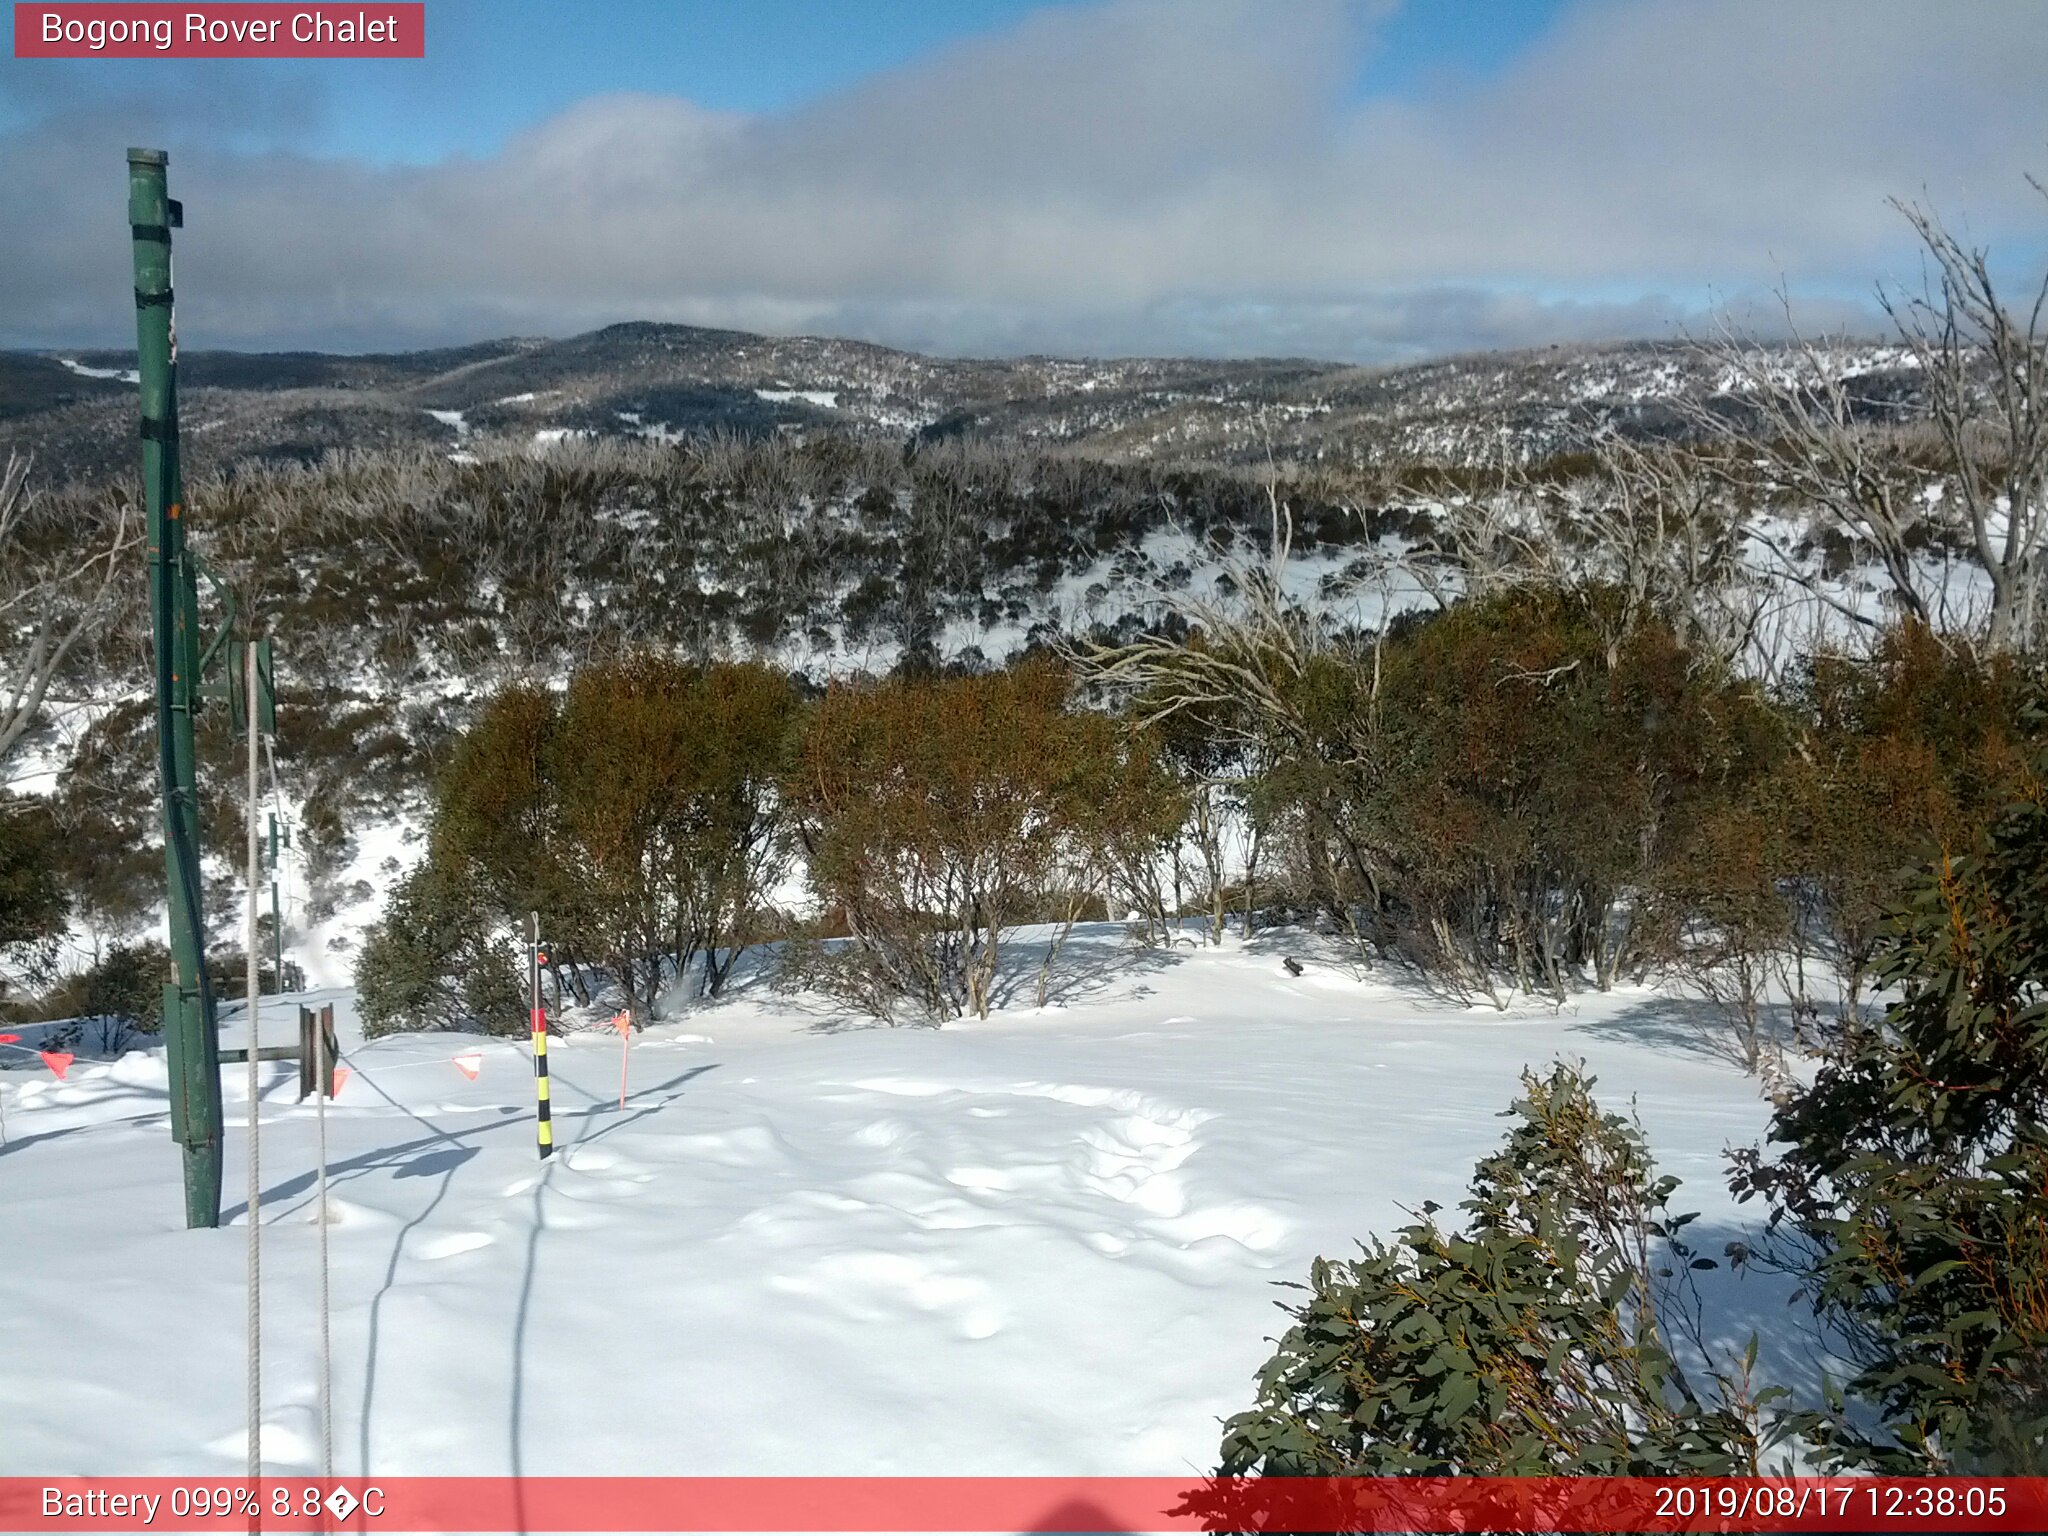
[125, 375]
[326, 937]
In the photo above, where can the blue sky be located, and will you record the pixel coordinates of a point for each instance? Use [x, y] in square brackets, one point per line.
[494, 67]
[1364, 179]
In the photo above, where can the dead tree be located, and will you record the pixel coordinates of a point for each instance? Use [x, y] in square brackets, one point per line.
[1833, 438]
[1984, 370]
[48, 603]
[1655, 525]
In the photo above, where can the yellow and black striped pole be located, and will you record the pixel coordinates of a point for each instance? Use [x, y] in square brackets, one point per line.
[543, 1126]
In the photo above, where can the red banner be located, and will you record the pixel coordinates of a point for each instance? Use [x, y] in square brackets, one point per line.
[95, 29]
[1023, 1504]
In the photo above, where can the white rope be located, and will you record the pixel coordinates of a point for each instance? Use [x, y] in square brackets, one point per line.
[322, 1070]
[320, 1073]
[255, 1107]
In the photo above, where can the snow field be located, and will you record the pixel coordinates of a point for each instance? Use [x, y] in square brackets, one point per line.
[1041, 1244]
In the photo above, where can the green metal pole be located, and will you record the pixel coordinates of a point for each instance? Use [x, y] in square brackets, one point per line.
[191, 1035]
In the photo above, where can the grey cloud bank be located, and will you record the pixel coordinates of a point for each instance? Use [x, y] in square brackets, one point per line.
[1165, 176]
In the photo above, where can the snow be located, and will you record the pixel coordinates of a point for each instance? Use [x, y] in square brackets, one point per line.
[40, 759]
[454, 419]
[655, 431]
[125, 375]
[381, 854]
[828, 398]
[1045, 1243]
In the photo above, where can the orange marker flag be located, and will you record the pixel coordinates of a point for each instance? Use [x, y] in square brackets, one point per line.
[58, 1062]
[341, 1075]
[469, 1063]
[10, 1039]
[623, 1023]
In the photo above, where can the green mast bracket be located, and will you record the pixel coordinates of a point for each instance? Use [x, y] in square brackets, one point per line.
[233, 684]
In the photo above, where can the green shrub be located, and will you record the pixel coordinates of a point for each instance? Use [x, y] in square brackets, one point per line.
[33, 902]
[1915, 1170]
[108, 804]
[1490, 793]
[438, 959]
[1917, 743]
[638, 813]
[936, 814]
[663, 777]
[1536, 1341]
[126, 983]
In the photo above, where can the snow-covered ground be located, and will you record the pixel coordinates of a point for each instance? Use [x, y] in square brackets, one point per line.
[1042, 1244]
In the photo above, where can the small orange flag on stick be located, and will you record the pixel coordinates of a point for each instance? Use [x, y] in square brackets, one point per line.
[623, 1023]
[58, 1062]
[468, 1063]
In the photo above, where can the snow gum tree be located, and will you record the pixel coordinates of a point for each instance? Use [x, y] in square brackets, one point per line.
[1908, 744]
[1913, 1172]
[1487, 793]
[638, 812]
[938, 814]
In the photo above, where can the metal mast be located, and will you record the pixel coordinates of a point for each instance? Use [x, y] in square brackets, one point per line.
[191, 1034]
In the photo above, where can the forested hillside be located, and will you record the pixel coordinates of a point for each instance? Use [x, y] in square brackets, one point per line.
[422, 532]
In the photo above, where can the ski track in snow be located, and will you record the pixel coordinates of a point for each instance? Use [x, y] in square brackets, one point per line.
[1045, 1243]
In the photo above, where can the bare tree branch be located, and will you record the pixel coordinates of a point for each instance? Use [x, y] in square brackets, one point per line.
[44, 612]
[1824, 433]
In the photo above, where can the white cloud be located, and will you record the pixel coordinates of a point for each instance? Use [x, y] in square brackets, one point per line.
[1168, 175]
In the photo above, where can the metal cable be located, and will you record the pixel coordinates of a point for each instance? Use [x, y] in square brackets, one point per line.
[320, 1083]
[255, 1104]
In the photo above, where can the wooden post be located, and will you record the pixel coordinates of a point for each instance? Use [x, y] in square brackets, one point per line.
[318, 1051]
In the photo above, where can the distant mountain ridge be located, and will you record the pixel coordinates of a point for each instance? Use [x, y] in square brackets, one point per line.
[644, 379]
